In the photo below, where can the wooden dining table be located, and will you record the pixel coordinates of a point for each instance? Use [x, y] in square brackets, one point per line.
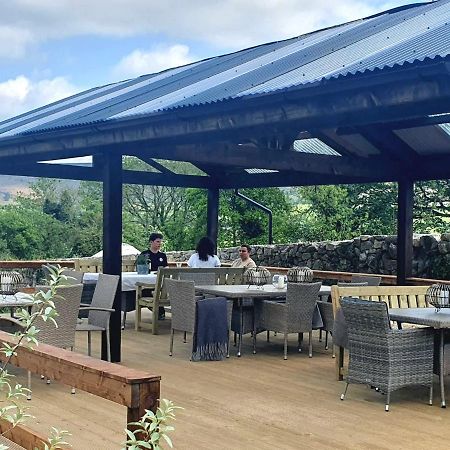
[240, 291]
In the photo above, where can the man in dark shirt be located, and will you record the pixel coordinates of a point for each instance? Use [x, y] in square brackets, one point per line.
[156, 258]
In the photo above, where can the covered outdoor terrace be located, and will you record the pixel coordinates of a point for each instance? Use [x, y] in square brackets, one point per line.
[256, 401]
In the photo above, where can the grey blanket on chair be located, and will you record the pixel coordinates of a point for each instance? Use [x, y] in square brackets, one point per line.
[211, 330]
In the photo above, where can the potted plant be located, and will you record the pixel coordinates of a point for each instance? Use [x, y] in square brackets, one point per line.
[141, 264]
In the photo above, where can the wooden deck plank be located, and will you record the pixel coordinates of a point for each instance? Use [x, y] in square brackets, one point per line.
[256, 401]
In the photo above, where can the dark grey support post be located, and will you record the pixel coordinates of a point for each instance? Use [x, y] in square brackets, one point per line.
[212, 224]
[405, 230]
[112, 242]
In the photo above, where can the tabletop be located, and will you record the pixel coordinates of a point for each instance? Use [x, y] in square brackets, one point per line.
[422, 316]
[18, 300]
[129, 279]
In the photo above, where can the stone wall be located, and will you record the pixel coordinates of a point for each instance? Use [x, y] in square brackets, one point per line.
[370, 254]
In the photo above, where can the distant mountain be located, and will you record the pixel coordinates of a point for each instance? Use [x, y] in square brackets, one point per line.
[11, 185]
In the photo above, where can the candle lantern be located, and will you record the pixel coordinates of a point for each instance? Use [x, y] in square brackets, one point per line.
[10, 282]
[257, 276]
[438, 295]
[300, 275]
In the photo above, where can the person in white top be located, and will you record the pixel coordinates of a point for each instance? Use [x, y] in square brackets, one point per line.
[204, 254]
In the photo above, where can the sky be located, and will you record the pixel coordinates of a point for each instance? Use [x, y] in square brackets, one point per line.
[50, 49]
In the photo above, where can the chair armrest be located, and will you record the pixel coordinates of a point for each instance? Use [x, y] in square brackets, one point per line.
[413, 336]
[95, 308]
[145, 285]
[85, 304]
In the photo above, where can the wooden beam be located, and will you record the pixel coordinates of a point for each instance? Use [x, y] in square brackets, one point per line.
[237, 156]
[67, 172]
[212, 220]
[110, 381]
[23, 436]
[405, 230]
[112, 245]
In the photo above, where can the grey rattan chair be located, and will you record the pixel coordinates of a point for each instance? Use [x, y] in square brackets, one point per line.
[67, 301]
[294, 316]
[183, 304]
[371, 280]
[100, 309]
[200, 278]
[326, 311]
[383, 358]
[76, 277]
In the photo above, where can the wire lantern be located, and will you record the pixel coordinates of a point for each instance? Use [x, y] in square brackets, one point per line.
[11, 282]
[257, 276]
[300, 275]
[438, 295]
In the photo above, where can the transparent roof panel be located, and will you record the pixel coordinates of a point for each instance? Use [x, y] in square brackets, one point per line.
[314, 146]
[253, 171]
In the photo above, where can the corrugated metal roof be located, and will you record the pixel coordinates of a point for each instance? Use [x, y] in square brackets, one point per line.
[396, 37]
[315, 146]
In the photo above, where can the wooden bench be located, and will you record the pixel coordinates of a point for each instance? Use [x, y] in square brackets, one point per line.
[135, 389]
[158, 296]
[394, 296]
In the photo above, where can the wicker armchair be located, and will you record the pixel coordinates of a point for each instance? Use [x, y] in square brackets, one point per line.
[76, 277]
[294, 316]
[67, 301]
[326, 311]
[100, 309]
[183, 301]
[383, 358]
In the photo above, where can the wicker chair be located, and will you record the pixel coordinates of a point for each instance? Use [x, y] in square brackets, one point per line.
[326, 311]
[294, 316]
[67, 301]
[76, 277]
[183, 301]
[100, 309]
[371, 280]
[383, 358]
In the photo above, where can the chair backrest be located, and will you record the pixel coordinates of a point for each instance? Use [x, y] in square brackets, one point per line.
[199, 279]
[366, 321]
[181, 295]
[371, 280]
[67, 302]
[104, 294]
[75, 277]
[301, 299]
[347, 284]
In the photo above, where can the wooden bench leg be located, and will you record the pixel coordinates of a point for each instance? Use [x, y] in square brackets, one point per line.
[155, 313]
[137, 325]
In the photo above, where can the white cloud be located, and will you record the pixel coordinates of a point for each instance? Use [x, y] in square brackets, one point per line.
[228, 24]
[20, 94]
[140, 62]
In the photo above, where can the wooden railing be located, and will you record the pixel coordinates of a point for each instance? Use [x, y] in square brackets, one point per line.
[128, 265]
[135, 389]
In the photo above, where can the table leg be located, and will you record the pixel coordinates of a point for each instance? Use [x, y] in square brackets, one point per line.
[254, 327]
[441, 367]
[241, 325]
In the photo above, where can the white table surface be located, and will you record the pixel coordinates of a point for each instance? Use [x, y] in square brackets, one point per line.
[129, 279]
[12, 301]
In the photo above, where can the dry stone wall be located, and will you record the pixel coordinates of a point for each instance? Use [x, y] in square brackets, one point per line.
[370, 254]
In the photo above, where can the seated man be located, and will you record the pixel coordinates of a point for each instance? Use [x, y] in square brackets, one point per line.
[244, 259]
[155, 259]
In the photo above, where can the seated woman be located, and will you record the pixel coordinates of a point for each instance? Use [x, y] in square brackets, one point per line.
[204, 255]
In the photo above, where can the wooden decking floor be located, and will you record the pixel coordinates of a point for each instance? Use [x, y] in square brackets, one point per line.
[253, 402]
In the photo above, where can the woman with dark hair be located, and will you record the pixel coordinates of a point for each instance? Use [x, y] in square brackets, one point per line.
[204, 255]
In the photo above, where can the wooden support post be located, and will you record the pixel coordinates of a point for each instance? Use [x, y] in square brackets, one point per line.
[112, 242]
[405, 230]
[213, 215]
